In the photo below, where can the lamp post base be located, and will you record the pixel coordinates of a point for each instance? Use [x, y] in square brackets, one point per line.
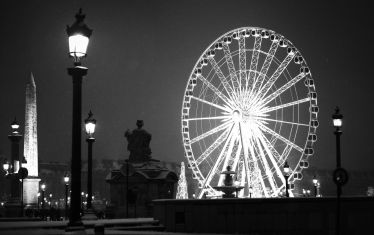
[89, 214]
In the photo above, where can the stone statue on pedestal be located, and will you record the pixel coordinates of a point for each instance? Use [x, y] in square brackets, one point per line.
[138, 143]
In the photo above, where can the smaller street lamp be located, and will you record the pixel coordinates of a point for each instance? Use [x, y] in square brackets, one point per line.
[50, 200]
[250, 191]
[315, 183]
[90, 124]
[66, 181]
[337, 118]
[38, 199]
[43, 186]
[286, 170]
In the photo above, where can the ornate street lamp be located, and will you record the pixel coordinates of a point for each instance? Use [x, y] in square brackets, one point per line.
[66, 181]
[79, 35]
[315, 183]
[286, 170]
[340, 175]
[90, 124]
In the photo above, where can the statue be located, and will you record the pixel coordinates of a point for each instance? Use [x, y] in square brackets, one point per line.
[138, 143]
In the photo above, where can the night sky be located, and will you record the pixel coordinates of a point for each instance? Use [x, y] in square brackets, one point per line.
[141, 54]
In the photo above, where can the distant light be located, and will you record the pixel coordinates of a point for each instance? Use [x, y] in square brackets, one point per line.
[315, 181]
[43, 186]
[66, 178]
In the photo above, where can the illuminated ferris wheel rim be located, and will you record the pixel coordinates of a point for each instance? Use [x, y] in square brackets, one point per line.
[245, 109]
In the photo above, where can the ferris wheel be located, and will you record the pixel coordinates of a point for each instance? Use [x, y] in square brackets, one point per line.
[250, 103]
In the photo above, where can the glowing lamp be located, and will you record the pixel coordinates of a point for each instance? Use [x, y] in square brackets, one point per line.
[66, 178]
[23, 162]
[6, 166]
[43, 186]
[337, 118]
[250, 190]
[315, 181]
[79, 35]
[286, 168]
[90, 124]
[14, 125]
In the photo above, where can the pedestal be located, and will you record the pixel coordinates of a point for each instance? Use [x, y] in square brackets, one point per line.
[30, 191]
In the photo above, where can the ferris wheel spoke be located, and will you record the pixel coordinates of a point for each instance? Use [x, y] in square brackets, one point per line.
[281, 121]
[210, 132]
[213, 170]
[211, 104]
[228, 157]
[256, 172]
[207, 118]
[254, 63]
[216, 91]
[282, 89]
[212, 147]
[286, 141]
[244, 139]
[271, 152]
[222, 78]
[230, 64]
[265, 164]
[242, 61]
[265, 67]
[237, 152]
[265, 88]
[297, 102]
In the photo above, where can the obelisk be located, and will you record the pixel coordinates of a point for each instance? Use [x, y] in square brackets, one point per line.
[30, 149]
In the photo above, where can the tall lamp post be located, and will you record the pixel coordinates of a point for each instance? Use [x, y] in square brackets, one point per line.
[286, 170]
[15, 137]
[79, 35]
[315, 183]
[66, 181]
[90, 124]
[340, 175]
